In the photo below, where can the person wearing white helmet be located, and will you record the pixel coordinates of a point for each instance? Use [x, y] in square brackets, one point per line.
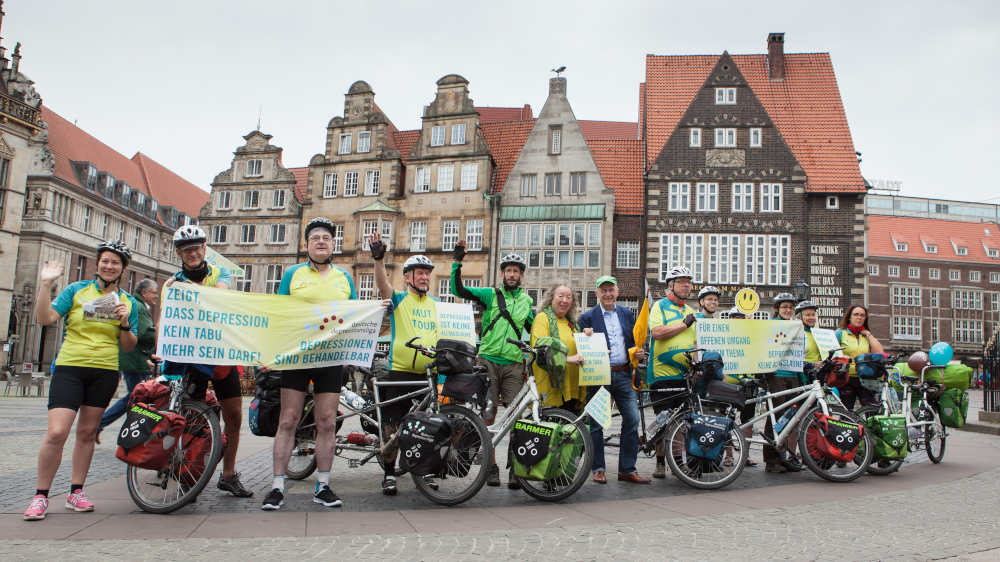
[189, 244]
[412, 314]
[782, 379]
[315, 280]
[708, 302]
[671, 325]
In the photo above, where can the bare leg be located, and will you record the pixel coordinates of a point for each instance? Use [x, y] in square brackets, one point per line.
[50, 454]
[232, 416]
[326, 428]
[83, 450]
[284, 438]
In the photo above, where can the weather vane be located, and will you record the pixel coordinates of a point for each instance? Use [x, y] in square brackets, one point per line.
[559, 70]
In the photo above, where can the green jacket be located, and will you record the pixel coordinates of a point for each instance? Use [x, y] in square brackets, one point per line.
[135, 361]
[493, 344]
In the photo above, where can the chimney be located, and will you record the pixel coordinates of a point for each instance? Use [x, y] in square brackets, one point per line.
[776, 56]
[557, 85]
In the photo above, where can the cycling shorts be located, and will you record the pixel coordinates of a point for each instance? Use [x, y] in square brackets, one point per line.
[224, 388]
[393, 413]
[72, 387]
[324, 379]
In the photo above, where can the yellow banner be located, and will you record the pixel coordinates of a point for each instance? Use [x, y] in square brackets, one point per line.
[754, 346]
[212, 326]
[596, 368]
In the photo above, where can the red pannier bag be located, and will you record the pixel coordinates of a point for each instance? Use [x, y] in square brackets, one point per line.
[834, 439]
[149, 436]
[157, 393]
[197, 448]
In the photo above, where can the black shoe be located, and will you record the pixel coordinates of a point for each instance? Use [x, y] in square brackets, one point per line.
[512, 483]
[775, 468]
[234, 486]
[792, 464]
[273, 501]
[493, 478]
[325, 496]
[389, 486]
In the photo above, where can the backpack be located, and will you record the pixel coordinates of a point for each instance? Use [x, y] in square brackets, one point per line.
[890, 436]
[833, 439]
[706, 435]
[552, 352]
[502, 313]
[263, 417]
[953, 405]
[149, 436]
[424, 440]
[541, 449]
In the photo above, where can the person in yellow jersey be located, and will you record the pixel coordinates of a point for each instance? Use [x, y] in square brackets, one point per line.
[854, 335]
[413, 314]
[99, 320]
[807, 313]
[189, 245]
[671, 326]
[315, 280]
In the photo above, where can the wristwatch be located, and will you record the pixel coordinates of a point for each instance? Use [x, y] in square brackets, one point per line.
[124, 327]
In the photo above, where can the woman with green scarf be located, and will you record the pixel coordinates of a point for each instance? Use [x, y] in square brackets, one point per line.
[556, 318]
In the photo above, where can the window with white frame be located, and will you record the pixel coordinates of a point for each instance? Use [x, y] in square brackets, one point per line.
[954, 275]
[968, 331]
[220, 234]
[225, 200]
[366, 287]
[474, 234]
[935, 329]
[725, 96]
[248, 234]
[244, 283]
[446, 178]
[755, 258]
[345, 144]
[930, 248]
[529, 185]
[755, 137]
[993, 252]
[535, 237]
[707, 197]
[458, 134]
[368, 227]
[277, 234]
[778, 260]
[742, 198]
[553, 184]
[449, 235]
[121, 230]
[594, 234]
[893, 271]
[905, 295]
[149, 243]
[577, 183]
[725, 138]
[682, 249]
[136, 236]
[770, 197]
[444, 290]
[251, 199]
[995, 277]
[254, 168]
[680, 194]
[906, 327]
[470, 176]
[364, 141]
[372, 178]
[418, 236]
[520, 235]
[104, 225]
[974, 277]
[934, 273]
[694, 137]
[901, 246]
[87, 211]
[555, 139]
[437, 135]
[387, 233]
[330, 184]
[873, 269]
[278, 202]
[961, 250]
[338, 238]
[966, 299]
[351, 184]
[723, 258]
[422, 180]
[627, 256]
[933, 298]
[507, 236]
[913, 272]
[832, 202]
[996, 302]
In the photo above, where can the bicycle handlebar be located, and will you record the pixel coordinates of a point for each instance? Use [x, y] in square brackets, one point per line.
[428, 351]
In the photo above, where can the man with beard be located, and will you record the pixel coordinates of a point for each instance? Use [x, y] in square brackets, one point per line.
[708, 302]
[413, 314]
[506, 312]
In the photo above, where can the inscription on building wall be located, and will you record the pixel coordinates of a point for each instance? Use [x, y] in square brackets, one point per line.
[825, 264]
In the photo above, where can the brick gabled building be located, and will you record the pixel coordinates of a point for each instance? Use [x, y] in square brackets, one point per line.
[752, 178]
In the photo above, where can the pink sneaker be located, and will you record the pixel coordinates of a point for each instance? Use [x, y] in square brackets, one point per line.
[77, 501]
[36, 509]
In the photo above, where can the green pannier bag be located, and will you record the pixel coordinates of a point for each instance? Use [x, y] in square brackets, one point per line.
[952, 376]
[953, 407]
[889, 433]
[539, 449]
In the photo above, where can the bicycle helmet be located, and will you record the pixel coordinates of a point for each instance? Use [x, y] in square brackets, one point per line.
[709, 290]
[189, 235]
[805, 305]
[736, 312]
[678, 271]
[320, 222]
[513, 259]
[418, 261]
[117, 247]
[783, 297]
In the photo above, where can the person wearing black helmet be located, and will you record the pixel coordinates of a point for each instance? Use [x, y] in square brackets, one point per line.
[315, 280]
[708, 302]
[100, 320]
[413, 314]
[782, 379]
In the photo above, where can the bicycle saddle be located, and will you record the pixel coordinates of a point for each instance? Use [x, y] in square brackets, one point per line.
[908, 379]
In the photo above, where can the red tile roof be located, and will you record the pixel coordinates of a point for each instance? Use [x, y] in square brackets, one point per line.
[806, 107]
[884, 230]
[493, 114]
[301, 179]
[68, 142]
[404, 141]
[505, 139]
[622, 130]
[620, 164]
[642, 106]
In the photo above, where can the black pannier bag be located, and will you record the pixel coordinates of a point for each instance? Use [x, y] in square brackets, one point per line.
[466, 387]
[454, 356]
[423, 442]
[718, 391]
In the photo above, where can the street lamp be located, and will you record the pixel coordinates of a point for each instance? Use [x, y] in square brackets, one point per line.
[801, 290]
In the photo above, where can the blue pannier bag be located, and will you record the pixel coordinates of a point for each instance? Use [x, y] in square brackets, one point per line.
[706, 435]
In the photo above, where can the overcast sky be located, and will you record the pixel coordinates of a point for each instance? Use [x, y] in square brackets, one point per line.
[182, 81]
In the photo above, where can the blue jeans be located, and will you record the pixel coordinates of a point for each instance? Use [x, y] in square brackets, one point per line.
[118, 408]
[625, 397]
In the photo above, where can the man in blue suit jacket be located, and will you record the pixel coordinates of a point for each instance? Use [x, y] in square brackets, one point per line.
[616, 323]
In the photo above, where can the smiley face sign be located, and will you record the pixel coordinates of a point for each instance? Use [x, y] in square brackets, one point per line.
[747, 301]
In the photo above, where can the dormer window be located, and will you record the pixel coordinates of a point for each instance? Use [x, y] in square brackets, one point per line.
[92, 176]
[254, 167]
[140, 200]
[725, 96]
[109, 183]
[153, 206]
[992, 252]
[931, 248]
[962, 250]
[901, 246]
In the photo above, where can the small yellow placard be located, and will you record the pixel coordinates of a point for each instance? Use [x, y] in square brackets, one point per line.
[747, 301]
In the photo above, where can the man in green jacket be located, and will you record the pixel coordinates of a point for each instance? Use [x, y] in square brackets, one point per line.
[506, 312]
[133, 364]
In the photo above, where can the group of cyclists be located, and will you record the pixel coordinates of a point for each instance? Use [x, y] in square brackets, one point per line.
[100, 321]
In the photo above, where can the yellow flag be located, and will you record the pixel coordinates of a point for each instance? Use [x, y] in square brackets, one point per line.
[640, 328]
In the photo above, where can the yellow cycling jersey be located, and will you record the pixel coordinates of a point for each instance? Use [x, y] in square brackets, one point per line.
[303, 281]
[90, 336]
[812, 350]
[854, 345]
[215, 276]
[412, 316]
[667, 361]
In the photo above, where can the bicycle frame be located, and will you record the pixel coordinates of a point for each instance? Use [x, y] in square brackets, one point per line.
[808, 395]
[907, 407]
[527, 396]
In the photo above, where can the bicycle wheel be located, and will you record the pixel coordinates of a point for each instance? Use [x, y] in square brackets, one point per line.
[701, 473]
[934, 435]
[302, 463]
[463, 472]
[575, 466]
[824, 467]
[191, 465]
[877, 466]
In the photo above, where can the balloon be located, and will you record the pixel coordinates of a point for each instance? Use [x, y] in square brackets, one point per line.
[941, 353]
[918, 361]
